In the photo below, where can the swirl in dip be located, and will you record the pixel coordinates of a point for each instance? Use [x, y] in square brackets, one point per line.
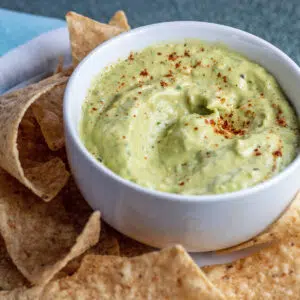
[189, 118]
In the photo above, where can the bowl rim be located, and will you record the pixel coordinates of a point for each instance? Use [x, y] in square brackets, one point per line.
[229, 196]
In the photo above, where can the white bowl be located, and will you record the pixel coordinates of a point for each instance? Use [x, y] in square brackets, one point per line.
[200, 223]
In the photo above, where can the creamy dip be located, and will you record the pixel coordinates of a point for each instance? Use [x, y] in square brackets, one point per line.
[189, 118]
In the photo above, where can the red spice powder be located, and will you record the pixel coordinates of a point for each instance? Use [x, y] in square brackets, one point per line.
[173, 56]
[257, 152]
[187, 53]
[144, 73]
[163, 83]
[198, 63]
[170, 74]
[277, 153]
[131, 57]
[281, 122]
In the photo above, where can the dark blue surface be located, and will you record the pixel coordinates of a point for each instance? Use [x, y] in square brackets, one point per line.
[274, 20]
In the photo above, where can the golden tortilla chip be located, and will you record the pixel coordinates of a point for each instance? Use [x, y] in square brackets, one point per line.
[167, 274]
[18, 152]
[86, 34]
[288, 224]
[272, 273]
[10, 277]
[119, 19]
[39, 236]
[48, 112]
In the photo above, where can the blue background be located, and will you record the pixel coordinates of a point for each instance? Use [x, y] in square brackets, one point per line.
[277, 21]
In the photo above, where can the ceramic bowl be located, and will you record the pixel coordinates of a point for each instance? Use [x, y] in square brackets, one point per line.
[200, 223]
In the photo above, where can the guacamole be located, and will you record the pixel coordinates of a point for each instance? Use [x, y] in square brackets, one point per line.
[189, 118]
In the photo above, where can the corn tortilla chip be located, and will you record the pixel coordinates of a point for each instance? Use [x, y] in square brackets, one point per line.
[10, 277]
[86, 34]
[168, 274]
[44, 178]
[39, 236]
[79, 212]
[119, 19]
[272, 273]
[22, 294]
[49, 114]
[288, 224]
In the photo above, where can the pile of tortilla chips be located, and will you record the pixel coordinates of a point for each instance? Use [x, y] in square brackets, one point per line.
[53, 246]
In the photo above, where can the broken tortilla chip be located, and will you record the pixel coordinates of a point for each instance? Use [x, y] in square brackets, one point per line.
[119, 19]
[86, 34]
[287, 225]
[167, 274]
[272, 273]
[10, 276]
[39, 236]
[42, 173]
[48, 112]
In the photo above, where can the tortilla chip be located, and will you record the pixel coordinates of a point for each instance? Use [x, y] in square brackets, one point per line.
[119, 19]
[86, 34]
[19, 155]
[168, 274]
[40, 237]
[79, 212]
[10, 277]
[107, 245]
[272, 273]
[288, 224]
[22, 294]
[48, 112]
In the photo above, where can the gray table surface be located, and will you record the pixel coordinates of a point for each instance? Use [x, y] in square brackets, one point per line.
[274, 20]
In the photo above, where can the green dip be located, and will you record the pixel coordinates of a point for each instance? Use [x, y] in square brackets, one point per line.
[189, 118]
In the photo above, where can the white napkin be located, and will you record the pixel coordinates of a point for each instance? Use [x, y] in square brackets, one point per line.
[34, 60]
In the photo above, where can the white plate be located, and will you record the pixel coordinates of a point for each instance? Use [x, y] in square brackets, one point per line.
[36, 59]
